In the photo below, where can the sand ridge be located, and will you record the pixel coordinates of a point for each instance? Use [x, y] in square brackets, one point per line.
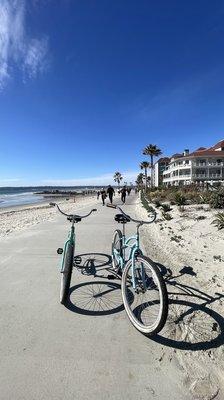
[189, 251]
[16, 219]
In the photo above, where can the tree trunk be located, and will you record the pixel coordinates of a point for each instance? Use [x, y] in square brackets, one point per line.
[145, 180]
[151, 170]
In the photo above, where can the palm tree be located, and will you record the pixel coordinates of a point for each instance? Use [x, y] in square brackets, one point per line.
[118, 178]
[145, 165]
[153, 151]
[139, 180]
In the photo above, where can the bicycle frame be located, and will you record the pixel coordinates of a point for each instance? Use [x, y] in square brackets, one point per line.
[71, 240]
[133, 248]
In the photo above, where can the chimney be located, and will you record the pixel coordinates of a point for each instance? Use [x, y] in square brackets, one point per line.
[186, 152]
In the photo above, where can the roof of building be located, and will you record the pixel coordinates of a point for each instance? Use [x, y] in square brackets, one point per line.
[163, 159]
[177, 155]
[210, 151]
[207, 153]
[218, 145]
[201, 148]
[203, 151]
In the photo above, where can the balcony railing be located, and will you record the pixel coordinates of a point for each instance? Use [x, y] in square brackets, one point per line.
[216, 176]
[172, 167]
[216, 164]
[210, 164]
[198, 164]
[206, 176]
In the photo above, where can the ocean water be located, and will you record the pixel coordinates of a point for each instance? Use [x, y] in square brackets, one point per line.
[16, 196]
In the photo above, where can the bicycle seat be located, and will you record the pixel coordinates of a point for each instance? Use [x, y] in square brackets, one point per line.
[121, 218]
[76, 219]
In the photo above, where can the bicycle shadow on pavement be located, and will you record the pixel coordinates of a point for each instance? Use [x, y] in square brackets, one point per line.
[93, 264]
[191, 323]
[96, 297]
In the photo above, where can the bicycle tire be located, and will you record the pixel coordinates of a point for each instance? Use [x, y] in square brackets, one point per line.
[116, 244]
[67, 273]
[157, 286]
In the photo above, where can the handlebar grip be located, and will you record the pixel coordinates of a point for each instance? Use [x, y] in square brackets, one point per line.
[52, 204]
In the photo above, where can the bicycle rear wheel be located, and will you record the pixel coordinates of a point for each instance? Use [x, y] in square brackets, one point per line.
[67, 273]
[146, 304]
[116, 249]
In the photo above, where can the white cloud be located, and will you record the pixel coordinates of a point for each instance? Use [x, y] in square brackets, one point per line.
[10, 181]
[35, 60]
[101, 180]
[106, 179]
[17, 49]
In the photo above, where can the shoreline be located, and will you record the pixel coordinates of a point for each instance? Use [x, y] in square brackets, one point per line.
[17, 218]
[42, 202]
[13, 198]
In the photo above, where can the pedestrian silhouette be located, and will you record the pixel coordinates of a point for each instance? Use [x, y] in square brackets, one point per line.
[123, 194]
[111, 192]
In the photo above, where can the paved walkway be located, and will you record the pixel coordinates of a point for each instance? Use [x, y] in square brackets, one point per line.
[88, 350]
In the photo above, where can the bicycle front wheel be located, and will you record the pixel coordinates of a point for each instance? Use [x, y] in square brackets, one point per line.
[144, 295]
[67, 273]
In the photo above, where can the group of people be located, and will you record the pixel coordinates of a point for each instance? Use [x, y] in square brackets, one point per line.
[110, 192]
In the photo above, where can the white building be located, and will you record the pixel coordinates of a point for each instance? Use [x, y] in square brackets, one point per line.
[201, 166]
[157, 173]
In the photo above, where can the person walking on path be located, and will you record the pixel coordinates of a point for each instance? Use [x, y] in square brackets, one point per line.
[123, 194]
[103, 195]
[110, 192]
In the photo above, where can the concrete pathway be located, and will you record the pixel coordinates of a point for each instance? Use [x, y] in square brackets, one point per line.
[88, 350]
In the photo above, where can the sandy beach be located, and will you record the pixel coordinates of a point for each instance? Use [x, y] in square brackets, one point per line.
[190, 253]
[14, 219]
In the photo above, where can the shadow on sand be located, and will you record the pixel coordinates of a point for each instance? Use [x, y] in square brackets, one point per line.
[191, 323]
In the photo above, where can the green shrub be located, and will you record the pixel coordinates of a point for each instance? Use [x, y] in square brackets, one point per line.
[157, 203]
[204, 198]
[217, 199]
[166, 216]
[150, 209]
[181, 208]
[145, 203]
[180, 199]
[194, 197]
[219, 221]
[166, 207]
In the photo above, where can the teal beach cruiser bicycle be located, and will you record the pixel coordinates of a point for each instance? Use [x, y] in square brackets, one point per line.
[68, 253]
[144, 291]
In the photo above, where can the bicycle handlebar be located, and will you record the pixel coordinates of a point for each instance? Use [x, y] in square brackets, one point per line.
[72, 215]
[154, 214]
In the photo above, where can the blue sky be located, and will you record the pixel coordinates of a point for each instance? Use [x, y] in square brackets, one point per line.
[85, 85]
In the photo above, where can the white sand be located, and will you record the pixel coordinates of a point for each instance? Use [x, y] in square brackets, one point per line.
[193, 335]
[20, 218]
